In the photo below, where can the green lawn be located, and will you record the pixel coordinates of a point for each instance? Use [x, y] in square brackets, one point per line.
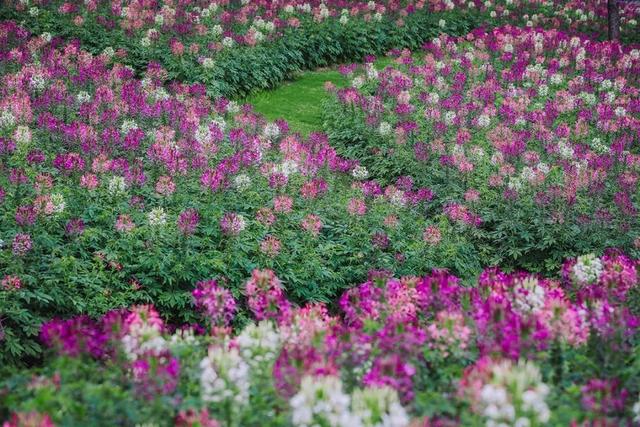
[299, 101]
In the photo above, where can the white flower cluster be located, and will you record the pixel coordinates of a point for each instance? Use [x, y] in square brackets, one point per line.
[157, 217]
[565, 150]
[288, 167]
[127, 126]
[515, 396]
[58, 203]
[203, 134]
[360, 173]
[208, 63]
[587, 269]
[259, 343]
[322, 401]
[38, 82]
[228, 42]
[242, 182]
[7, 119]
[271, 130]
[23, 135]
[636, 411]
[143, 337]
[358, 82]
[83, 97]
[385, 129]
[378, 407]
[116, 186]
[529, 296]
[224, 377]
[344, 17]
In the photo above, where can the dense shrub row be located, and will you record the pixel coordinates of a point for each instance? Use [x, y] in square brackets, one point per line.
[214, 44]
[261, 43]
[516, 349]
[529, 137]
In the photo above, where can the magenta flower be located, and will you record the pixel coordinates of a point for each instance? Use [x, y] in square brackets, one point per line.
[215, 302]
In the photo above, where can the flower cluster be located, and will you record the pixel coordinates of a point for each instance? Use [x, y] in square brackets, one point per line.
[192, 186]
[512, 125]
[366, 365]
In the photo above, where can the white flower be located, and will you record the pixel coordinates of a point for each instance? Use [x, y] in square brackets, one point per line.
[58, 203]
[37, 82]
[259, 344]
[636, 411]
[358, 82]
[34, 11]
[224, 377]
[372, 73]
[83, 97]
[271, 130]
[157, 217]
[242, 182]
[484, 121]
[46, 37]
[360, 173]
[143, 337]
[116, 186]
[227, 42]
[378, 407]
[620, 112]
[449, 117]
[216, 30]
[385, 129]
[23, 135]
[528, 296]
[543, 90]
[127, 126]
[233, 107]
[108, 51]
[7, 119]
[321, 401]
[587, 269]
[442, 23]
[159, 20]
[344, 19]
[565, 150]
[208, 63]
[288, 167]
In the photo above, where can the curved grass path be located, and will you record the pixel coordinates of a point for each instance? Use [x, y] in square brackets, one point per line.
[299, 101]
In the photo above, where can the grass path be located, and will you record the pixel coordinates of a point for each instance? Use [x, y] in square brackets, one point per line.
[299, 101]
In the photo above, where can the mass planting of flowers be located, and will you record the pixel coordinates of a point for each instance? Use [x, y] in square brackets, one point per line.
[117, 190]
[527, 139]
[459, 248]
[515, 349]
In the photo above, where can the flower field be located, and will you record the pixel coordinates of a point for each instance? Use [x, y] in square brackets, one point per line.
[458, 245]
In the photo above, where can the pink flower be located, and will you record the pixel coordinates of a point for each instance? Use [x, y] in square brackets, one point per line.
[215, 302]
[282, 204]
[21, 244]
[432, 235]
[270, 246]
[188, 221]
[312, 224]
[11, 283]
[357, 207]
[124, 224]
[265, 296]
